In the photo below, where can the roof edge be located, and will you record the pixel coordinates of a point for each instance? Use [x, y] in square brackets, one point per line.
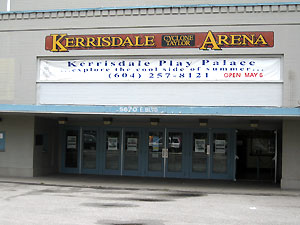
[153, 7]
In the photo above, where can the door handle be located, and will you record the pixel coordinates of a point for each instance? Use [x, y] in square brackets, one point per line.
[236, 157]
[208, 149]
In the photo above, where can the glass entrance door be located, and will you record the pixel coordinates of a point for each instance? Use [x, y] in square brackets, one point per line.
[156, 142]
[112, 149]
[174, 167]
[211, 154]
[89, 151]
[173, 164]
[71, 151]
[221, 155]
[131, 153]
[207, 154]
[122, 152]
[200, 154]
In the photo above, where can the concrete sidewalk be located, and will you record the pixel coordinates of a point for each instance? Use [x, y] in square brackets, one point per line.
[143, 183]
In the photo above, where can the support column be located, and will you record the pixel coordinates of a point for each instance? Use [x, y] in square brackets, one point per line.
[291, 154]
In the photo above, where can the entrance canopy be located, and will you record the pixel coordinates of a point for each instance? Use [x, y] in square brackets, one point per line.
[152, 110]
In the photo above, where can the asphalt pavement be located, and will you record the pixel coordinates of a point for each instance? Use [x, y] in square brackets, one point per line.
[148, 183]
[89, 200]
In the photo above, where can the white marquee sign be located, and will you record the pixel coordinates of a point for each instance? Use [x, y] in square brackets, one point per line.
[161, 70]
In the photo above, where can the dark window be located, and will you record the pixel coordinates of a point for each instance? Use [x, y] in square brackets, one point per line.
[39, 140]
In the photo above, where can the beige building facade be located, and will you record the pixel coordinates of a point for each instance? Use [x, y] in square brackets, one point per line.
[184, 89]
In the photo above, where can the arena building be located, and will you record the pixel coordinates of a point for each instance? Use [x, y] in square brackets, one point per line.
[182, 89]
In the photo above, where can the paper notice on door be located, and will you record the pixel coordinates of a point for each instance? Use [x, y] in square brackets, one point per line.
[112, 143]
[200, 145]
[132, 144]
[155, 144]
[220, 146]
[71, 142]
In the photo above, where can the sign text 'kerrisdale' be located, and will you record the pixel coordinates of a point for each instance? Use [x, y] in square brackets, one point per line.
[203, 41]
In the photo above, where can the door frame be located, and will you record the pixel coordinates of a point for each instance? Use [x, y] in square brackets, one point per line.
[192, 174]
[146, 155]
[98, 141]
[103, 152]
[230, 175]
[187, 150]
[184, 170]
[65, 169]
[141, 147]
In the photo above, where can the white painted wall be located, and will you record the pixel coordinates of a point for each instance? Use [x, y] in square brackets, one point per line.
[191, 94]
[21, 88]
